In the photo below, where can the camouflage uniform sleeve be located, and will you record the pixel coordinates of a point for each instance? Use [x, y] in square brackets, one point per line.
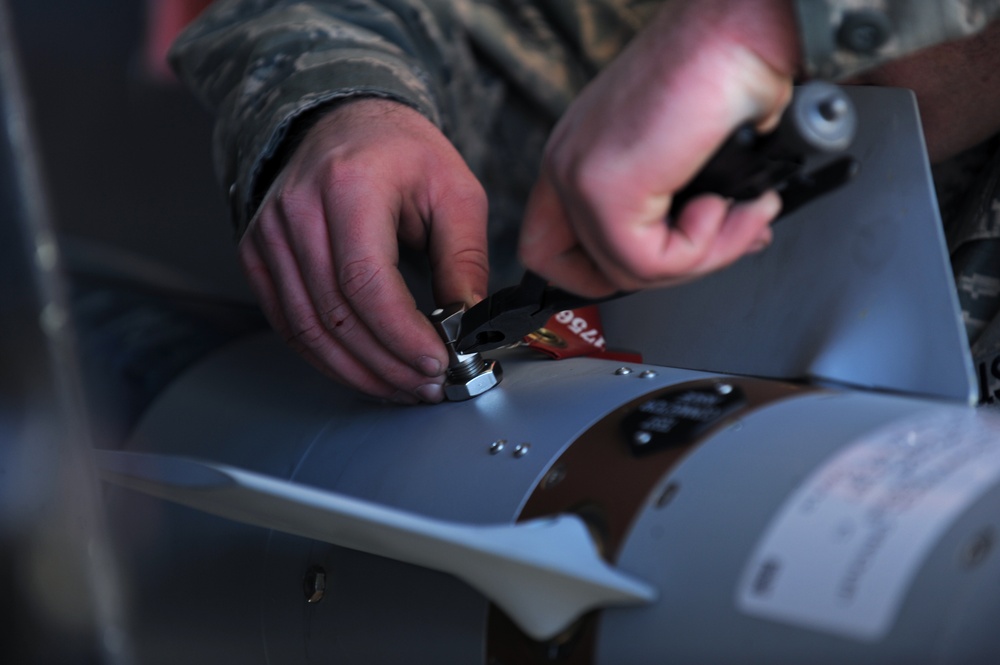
[842, 37]
[261, 67]
[264, 66]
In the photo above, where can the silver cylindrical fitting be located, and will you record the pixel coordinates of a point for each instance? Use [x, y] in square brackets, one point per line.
[469, 374]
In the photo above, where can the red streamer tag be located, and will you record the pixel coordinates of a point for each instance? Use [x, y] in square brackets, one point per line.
[576, 332]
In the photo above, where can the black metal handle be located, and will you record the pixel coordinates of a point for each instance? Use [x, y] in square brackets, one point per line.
[820, 119]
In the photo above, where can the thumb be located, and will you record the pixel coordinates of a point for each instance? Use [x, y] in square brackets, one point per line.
[457, 248]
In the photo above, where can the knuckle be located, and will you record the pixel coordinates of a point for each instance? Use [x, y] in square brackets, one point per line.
[471, 260]
[336, 314]
[253, 267]
[469, 193]
[292, 203]
[580, 179]
[588, 176]
[308, 334]
[648, 273]
[346, 174]
[360, 278]
[297, 324]
[268, 233]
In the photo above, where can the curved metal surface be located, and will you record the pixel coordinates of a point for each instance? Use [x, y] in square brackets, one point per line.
[235, 592]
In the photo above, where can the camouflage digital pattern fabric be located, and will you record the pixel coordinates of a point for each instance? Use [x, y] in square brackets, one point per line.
[972, 228]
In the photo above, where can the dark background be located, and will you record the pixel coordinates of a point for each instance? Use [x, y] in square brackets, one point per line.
[126, 153]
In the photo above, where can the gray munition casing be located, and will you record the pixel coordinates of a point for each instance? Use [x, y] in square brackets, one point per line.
[208, 590]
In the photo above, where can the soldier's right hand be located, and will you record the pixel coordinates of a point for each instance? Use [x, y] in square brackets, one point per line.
[322, 252]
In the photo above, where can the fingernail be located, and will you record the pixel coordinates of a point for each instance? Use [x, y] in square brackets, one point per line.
[772, 203]
[431, 392]
[430, 366]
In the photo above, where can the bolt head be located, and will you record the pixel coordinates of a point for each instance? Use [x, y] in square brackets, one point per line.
[458, 391]
[554, 476]
[642, 438]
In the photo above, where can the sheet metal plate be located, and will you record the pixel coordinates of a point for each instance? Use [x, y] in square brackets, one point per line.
[856, 288]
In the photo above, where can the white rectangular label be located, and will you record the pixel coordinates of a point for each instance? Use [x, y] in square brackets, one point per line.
[842, 550]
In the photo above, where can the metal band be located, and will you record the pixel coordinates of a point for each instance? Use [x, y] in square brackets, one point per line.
[603, 478]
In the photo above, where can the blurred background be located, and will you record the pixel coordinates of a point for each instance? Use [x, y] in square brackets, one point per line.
[126, 168]
[126, 150]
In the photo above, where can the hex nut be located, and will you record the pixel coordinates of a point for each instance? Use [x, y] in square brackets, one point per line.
[457, 391]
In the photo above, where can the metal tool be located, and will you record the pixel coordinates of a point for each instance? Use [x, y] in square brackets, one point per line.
[513, 312]
[820, 120]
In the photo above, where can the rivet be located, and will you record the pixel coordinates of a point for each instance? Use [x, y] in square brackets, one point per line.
[521, 449]
[554, 476]
[978, 548]
[314, 584]
[623, 371]
[648, 374]
[497, 446]
[667, 495]
[723, 388]
[834, 109]
[642, 438]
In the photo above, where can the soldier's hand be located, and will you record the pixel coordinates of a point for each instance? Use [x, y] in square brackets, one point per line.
[322, 252]
[596, 220]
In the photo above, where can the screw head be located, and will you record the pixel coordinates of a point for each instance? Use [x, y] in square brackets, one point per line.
[623, 371]
[723, 388]
[648, 374]
[979, 548]
[667, 495]
[864, 31]
[642, 438]
[497, 446]
[554, 476]
[521, 449]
